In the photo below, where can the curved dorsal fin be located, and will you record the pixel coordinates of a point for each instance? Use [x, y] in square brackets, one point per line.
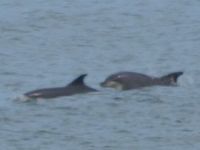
[79, 80]
[172, 77]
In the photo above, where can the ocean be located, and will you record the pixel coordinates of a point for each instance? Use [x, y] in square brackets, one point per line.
[48, 43]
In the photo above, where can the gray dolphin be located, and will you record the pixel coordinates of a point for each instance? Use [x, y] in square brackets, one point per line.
[75, 87]
[133, 80]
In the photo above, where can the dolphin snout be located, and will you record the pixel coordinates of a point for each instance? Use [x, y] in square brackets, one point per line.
[111, 84]
[103, 84]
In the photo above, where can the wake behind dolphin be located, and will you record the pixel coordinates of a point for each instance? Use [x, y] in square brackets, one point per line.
[133, 80]
[77, 86]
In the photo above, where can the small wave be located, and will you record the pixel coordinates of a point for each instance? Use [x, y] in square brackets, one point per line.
[7, 73]
[21, 98]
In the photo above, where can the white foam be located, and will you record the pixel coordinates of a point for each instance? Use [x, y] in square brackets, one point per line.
[22, 98]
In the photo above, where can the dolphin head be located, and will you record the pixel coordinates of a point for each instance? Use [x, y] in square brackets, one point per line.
[113, 81]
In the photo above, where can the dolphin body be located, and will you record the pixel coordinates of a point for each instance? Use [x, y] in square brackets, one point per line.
[77, 86]
[133, 80]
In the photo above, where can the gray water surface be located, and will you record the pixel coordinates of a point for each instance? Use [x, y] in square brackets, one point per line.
[47, 43]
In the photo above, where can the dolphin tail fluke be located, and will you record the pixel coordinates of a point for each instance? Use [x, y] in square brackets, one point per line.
[172, 77]
[79, 80]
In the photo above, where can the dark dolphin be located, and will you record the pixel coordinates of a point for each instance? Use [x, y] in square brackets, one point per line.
[133, 80]
[75, 87]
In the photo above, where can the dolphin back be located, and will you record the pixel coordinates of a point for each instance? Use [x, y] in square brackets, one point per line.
[171, 79]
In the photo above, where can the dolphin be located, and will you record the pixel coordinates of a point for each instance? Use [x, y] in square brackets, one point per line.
[77, 86]
[133, 80]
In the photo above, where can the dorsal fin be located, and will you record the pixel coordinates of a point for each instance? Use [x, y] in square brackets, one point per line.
[172, 77]
[79, 80]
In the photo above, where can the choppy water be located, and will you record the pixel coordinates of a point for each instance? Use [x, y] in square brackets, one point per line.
[46, 43]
